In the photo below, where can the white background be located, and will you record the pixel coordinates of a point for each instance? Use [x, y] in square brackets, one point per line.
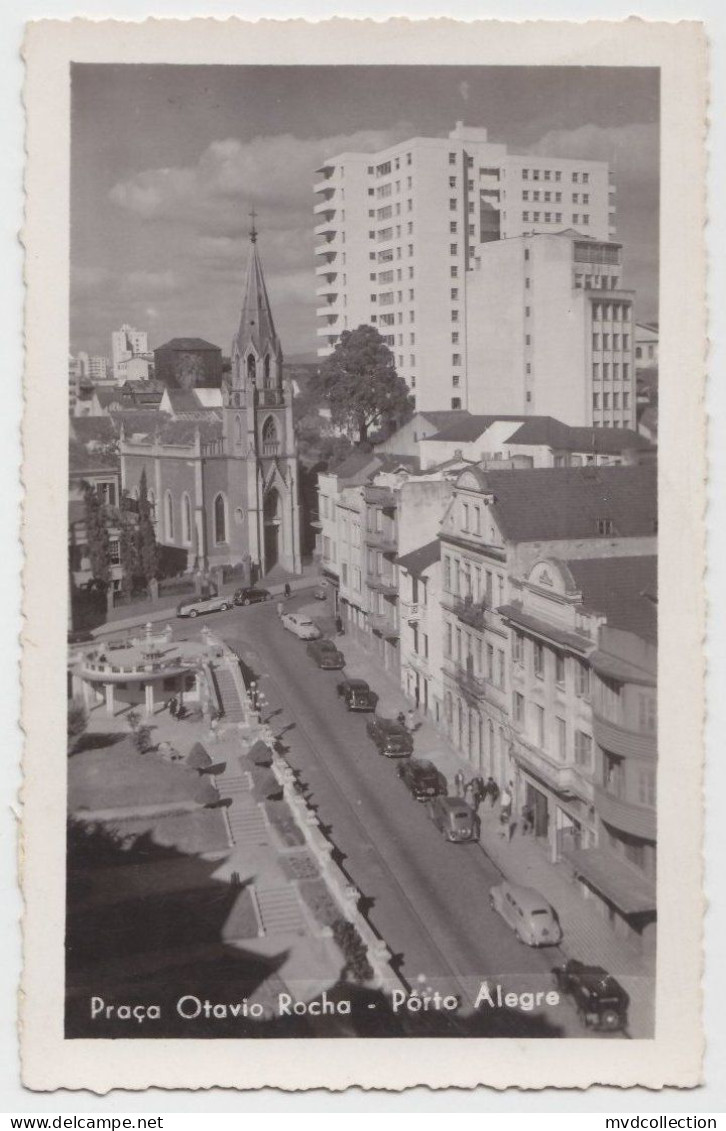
[712, 1097]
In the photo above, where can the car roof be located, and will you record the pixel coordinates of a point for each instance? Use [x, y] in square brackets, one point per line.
[529, 899]
[453, 803]
[357, 684]
[422, 764]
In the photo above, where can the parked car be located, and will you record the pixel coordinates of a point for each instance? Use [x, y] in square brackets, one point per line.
[357, 695]
[391, 738]
[193, 606]
[454, 818]
[528, 913]
[601, 1001]
[250, 595]
[301, 626]
[326, 655]
[321, 593]
[422, 778]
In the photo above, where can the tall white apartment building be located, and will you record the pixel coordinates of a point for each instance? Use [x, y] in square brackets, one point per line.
[550, 331]
[125, 344]
[399, 230]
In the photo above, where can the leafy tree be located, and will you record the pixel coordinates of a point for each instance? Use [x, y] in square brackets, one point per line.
[77, 719]
[128, 551]
[147, 551]
[99, 550]
[360, 384]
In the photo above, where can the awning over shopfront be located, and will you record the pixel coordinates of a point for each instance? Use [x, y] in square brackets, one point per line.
[626, 889]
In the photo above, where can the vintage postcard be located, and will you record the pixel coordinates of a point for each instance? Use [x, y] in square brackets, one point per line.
[363, 676]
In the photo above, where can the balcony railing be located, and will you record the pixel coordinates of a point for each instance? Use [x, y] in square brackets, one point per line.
[271, 448]
[466, 610]
[383, 624]
[564, 779]
[473, 686]
[414, 612]
[382, 540]
[382, 582]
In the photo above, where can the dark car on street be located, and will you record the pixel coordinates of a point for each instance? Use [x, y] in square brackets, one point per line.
[422, 778]
[600, 1000]
[456, 820]
[250, 595]
[326, 655]
[357, 695]
[391, 737]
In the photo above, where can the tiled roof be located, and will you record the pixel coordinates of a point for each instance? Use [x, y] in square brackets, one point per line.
[106, 396]
[354, 463]
[558, 503]
[418, 560]
[184, 431]
[442, 418]
[470, 428]
[187, 344]
[624, 590]
[135, 421]
[554, 434]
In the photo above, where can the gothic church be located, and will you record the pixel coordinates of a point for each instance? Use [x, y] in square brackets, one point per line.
[221, 465]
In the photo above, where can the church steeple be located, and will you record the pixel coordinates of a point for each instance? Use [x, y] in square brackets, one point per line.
[256, 336]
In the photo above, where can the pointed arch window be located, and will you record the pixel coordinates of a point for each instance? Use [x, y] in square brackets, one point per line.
[251, 367]
[270, 439]
[238, 429]
[220, 519]
[267, 371]
[186, 509]
[169, 516]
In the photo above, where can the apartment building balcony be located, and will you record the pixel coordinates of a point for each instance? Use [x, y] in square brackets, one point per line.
[328, 311]
[620, 740]
[472, 686]
[380, 497]
[328, 330]
[467, 610]
[328, 290]
[635, 820]
[326, 229]
[324, 206]
[327, 250]
[382, 540]
[383, 625]
[419, 663]
[382, 583]
[564, 779]
[413, 612]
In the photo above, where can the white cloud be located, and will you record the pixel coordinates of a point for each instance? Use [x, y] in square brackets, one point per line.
[150, 282]
[272, 174]
[631, 150]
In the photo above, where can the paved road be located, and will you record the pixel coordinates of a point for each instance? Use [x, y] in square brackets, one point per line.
[428, 899]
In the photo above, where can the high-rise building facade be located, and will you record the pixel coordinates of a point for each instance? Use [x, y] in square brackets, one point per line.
[550, 331]
[400, 229]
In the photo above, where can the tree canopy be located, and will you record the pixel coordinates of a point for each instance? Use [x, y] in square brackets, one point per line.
[360, 384]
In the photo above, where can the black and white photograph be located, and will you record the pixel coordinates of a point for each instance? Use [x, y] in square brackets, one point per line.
[362, 598]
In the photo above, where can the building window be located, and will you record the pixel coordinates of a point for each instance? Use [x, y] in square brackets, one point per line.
[452, 227]
[456, 359]
[562, 740]
[186, 509]
[582, 680]
[454, 272]
[518, 709]
[114, 552]
[169, 516]
[455, 380]
[456, 402]
[455, 316]
[539, 726]
[647, 713]
[454, 248]
[583, 750]
[559, 669]
[517, 648]
[220, 519]
[538, 659]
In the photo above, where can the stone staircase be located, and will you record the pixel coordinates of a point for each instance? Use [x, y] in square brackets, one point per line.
[228, 695]
[280, 910]
[247, 825]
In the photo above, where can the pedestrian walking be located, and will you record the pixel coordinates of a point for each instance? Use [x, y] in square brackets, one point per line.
[511, 829]
[401, 719]
[492, 790]
[478, 791]
[411, 721]
[288, 590]
[506, 803]
[280, 608]
[459, 783]
[173, 706]
[339, 625]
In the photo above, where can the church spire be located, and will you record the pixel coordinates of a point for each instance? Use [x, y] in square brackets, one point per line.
[256, 326]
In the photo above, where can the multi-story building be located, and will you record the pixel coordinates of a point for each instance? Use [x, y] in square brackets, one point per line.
[400, 229]
[646, 345]
[420, 619]
[498, 526]
[93, 368]
[126, 343]
[550, 331]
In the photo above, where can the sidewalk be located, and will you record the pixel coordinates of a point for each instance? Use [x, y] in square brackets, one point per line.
[523, 859]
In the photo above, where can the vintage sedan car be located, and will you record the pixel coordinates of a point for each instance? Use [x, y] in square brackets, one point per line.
[600, 1000]
[527, 912]
[357, 694]
[422, 778]
[195, 606]
[321, 593]
[391, 738]
[301, 625]
[326, 655]
[456, 821]
[249, 595]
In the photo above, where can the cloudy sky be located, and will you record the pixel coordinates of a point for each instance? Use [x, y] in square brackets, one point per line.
[167, 162]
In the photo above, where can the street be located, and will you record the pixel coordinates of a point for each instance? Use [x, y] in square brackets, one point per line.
[427, 898]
